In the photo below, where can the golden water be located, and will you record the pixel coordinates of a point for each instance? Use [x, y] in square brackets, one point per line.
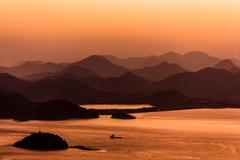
[116, 106]
[206, 134]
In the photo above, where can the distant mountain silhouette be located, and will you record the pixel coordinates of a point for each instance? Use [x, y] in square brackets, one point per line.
[38, 76]
[100, 66]
[3, 69]
[168, 98]
[73, 70]
[235, 61]
[97, 80]
[80, 72]
[128, 88]
[134, 62]
[159, 72]
[62, 88]
[126, 84]
[193, 61]
[10, 83]
[227, 65]
[33, 67]
[207, 83]
[170, 56]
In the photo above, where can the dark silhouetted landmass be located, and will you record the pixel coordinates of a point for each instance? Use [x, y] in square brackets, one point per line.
[82, 82]
[42, 142]
[207, 83]
[168, 98]
[61, 109]
[126, 84]
[62, 88]
[13, 105]
[47, 142]
[18, 107]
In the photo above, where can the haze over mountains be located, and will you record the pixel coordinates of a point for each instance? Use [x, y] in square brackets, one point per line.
[72, 70]
[192, 61]
[160, 71]
[100, 79]
[227, 65]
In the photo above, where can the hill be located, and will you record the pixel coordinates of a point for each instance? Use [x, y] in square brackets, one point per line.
[227, 65]
[100, 66]
[126, 84]
[159, 72]
[72, 70]
[207, 83]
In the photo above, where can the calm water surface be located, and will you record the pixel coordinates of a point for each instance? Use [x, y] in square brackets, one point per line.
[116, 106]
[177, 135]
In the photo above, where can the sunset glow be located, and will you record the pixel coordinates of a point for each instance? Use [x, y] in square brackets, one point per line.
[70, 29]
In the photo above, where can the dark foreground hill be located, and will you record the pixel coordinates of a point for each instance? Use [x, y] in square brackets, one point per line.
[16, 106]
[61, 109]
[13, 105]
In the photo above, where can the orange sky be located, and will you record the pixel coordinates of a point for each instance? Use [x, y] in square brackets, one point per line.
[64, 30]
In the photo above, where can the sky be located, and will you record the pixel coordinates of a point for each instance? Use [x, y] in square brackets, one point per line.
[68, 30]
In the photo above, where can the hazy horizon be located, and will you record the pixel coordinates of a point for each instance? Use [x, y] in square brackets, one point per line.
[86, 56]
[65, 30]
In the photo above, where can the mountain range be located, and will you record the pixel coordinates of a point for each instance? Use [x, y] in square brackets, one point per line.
[101, 66]
[98, 79]
[207, 83]
[192, 61]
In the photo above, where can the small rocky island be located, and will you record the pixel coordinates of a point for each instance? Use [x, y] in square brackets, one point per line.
[122, 115]
[42, 142]
[47, 142]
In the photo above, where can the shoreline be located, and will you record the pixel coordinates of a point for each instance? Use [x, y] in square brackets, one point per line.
[141, 110]
[160, 109]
